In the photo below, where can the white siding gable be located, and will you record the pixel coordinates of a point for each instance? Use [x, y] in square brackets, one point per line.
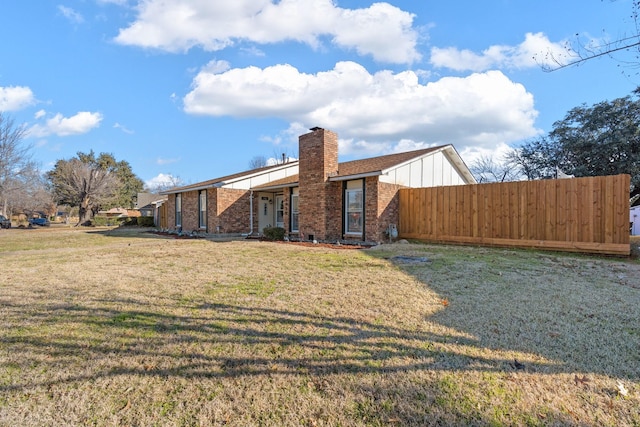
[432, 170]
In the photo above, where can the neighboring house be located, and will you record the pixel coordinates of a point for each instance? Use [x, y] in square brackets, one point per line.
[114, 213]
[120, 213]
[148, 204]
[634, 220]
[315, 197]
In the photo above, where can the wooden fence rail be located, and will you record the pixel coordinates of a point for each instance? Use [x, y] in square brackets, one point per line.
[577, 214]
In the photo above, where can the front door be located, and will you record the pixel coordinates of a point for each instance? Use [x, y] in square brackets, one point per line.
[280, 211]
[265, 210]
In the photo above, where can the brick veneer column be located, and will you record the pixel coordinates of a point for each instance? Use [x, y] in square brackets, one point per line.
[319, 199]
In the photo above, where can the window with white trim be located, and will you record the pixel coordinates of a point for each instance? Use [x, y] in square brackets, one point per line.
[295, 212]
[202, 205]
[279, 210]
[178, 210]
[354, 208]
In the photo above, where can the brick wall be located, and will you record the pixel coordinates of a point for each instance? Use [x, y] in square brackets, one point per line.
[319, 198]
[227, 211]
[171, 211]
[232, 211]
[190, 214]
[386, 211]
[371, 228]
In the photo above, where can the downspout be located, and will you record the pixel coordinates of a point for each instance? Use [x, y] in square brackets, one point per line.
[250, 212]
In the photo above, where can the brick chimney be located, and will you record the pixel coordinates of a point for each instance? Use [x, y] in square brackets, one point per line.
[320, 211]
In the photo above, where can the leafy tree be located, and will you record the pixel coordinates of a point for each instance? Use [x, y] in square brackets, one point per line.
[603, 139]
[538, 158]
[92, 183]
[129, 184]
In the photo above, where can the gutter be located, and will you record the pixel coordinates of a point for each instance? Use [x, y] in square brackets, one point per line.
[275, 187]
[186, 189]
[355, 176]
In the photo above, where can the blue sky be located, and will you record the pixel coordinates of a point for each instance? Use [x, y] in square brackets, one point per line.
[194, 89]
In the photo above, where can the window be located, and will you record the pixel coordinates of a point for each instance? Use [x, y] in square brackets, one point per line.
[279, 211]
[295, 213]
[178, 210]
[354, 218]
[202, 202]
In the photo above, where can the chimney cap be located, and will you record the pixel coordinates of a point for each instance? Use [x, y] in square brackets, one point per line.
[315, 128]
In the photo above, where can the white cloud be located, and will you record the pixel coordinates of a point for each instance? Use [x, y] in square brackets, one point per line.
[162, 181]
[15, 98]
[123, 128]
[536, 50]
[81, 123]
[497, 153]
[381, 30]
[71, 14]
[116, 2]
[372, 112]
[160, 161]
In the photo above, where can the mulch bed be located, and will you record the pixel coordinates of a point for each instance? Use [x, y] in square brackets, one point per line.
[297, 243]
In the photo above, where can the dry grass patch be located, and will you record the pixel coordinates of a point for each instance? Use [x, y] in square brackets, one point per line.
[126, 328]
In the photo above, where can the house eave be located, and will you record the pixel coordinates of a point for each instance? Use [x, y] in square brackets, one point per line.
[253, 175]
[453, 155]
[185, 190]
[355, 176]
[275, 187]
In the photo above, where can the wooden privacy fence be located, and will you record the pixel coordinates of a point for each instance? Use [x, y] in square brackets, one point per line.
[576, 214]
[162, 217]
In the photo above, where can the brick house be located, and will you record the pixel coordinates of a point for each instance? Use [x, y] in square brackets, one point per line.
[315, 197]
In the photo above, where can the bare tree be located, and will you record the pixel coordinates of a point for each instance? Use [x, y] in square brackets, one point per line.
[578, 51]
[278, 158]
[16, 166]
[33, 196]
[486, 169]
[168, 181]
[257, 162]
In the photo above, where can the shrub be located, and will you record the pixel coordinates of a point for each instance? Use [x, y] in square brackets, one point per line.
[145, 221]
[273, 233]
[102, 221]
[129, 222]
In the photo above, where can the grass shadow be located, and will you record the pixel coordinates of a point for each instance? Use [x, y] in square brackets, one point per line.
[579, 312]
